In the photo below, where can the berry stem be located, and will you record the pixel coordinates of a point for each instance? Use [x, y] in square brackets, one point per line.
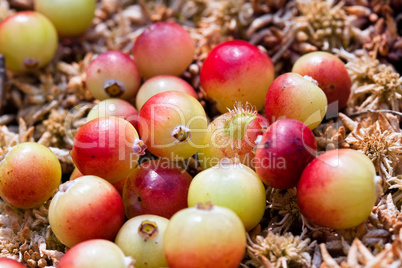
[113, 88]
[148, 229]
[139, 147]
[181, 133]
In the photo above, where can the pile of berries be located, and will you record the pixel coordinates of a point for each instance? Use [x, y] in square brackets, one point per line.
[154, 211]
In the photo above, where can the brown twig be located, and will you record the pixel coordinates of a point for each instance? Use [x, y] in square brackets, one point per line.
[375, 111]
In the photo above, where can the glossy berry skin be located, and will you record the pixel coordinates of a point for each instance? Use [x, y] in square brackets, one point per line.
[157, 187]
[163, 48]
[294, 96]
[232, 135]
[71, 18]
[28, 41]
[141, 238]
[86, 208]
[162, 83]
[231, 185]
[118, 185]
[237, 71]
[98, 253]
[330, 73]
[173, 125]
[10, 263]
[338, 189]
[113, 74]
[285, 150]
[204, 237]
[107, 147]
[29, 174]
[114, 107]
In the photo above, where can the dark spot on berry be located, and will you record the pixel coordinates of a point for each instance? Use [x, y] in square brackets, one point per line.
[266, 145]
[298, 143]
[98, 71]
[92, 156]
[139, 199]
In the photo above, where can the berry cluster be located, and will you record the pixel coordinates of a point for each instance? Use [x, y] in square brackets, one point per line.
[130, 186]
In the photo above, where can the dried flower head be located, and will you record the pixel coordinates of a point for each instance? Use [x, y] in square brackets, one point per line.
[215, 21]
[330, 136]
[285, 212]
[384, 39]
[73, 81]
[374, 85]
[26, 236]
[358, 254]
[361, 256]
[319, 25]
[9, 138]
[380, 140]
[326, 22]
[54, 132]
[385, 213]
[117, 24]
[274, 250]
